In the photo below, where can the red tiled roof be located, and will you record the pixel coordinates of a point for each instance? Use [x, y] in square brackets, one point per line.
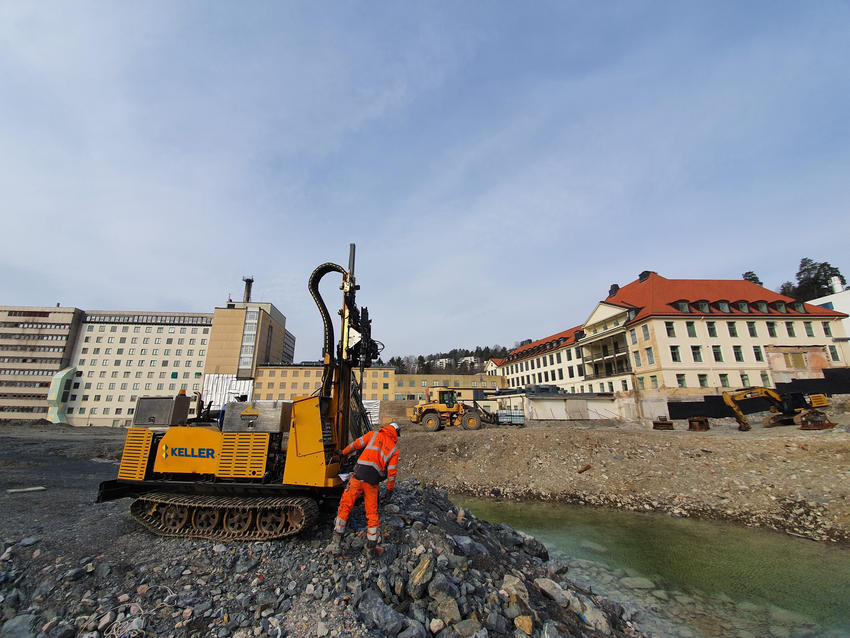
[657, 296]
[497, 362]
[531, 348]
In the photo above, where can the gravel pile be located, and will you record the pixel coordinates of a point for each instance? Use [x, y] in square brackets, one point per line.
[440, 572]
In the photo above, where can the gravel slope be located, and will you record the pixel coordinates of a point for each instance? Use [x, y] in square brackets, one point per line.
[781, 478]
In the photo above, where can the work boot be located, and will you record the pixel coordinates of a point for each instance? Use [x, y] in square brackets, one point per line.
[371, 549]
[335, 545]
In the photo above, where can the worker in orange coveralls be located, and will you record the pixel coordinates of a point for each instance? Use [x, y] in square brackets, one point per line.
[378, 460]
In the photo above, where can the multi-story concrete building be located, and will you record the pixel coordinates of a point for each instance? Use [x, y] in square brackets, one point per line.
[683, 337]
[554, 360]
[35, 344]
[245, 336]
[120, 356]
[686, 337]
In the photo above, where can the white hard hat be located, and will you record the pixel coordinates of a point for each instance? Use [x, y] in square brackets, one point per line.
[397, 428]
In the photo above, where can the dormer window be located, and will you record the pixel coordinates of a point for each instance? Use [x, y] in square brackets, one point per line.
[683, 306]
[743, 306]
[780, 307]
[798, 307]
[701, 306]
[632, 314]
[761, 306]
[723, 306]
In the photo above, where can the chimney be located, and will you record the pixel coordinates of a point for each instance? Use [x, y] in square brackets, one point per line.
[613, 290]
[835, 282]
[645, 275]
[249, 281]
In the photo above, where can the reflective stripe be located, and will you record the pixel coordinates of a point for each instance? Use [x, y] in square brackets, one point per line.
[339, 525]
[371, 464]
[391, 467]
[372, 533]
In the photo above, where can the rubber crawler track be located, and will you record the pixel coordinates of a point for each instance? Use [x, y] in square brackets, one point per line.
[295, 514]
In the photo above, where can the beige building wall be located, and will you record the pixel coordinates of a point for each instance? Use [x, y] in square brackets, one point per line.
[286, 382]
[120, 356]
[415, 386]
[705, 355]
[380, 383]
[36, 342]
[246, 335]
[225, 341]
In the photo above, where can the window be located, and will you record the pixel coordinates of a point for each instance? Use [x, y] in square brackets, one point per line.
[745, 380]
[751, 329]
[692, 329]
[650, 358]
[633, 335]
[703, 380]
[696, 353]
[723, 306]
[558, 356]
[827, 330]
[808, 327]
[833, 353]
[641, 383]
[733, 328]
[653, 381]
[789, 328]
[683, 306]
[680, 381]
[702, 306]
[765, 379]
[671, 330]
[724, 380]
[718, 353]
[743, 306]
[712, 328]
[645, 329]
[638, 363]
[674, 354]
[771, 328]
[739, 355]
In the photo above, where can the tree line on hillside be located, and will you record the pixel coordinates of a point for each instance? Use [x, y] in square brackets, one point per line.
[814, 280]
[452, 360]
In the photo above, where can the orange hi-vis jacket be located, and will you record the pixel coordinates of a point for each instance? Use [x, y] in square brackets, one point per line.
[379, 458]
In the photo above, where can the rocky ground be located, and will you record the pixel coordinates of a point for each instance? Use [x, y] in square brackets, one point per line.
[781, 478]
[71, 568]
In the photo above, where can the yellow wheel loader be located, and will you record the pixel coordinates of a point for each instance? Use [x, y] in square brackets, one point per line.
[260, 473]
[444, 409]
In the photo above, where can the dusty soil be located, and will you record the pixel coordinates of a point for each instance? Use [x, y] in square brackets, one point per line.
[780, 478]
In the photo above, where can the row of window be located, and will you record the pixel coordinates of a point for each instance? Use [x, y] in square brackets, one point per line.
[13, 395]
[126, 374]
[52, 360]
[106, 411]
[25, 384]
[7, 348]
[732, 329]
[28, 373]
[29, 409]
[704, 380]
[166, 319]
[740, 306]
[146, 340]
[717, 354]
[34, 337]
[37, 326]
[281, 396]
[129, 363]
[543, 361]
[109, 398]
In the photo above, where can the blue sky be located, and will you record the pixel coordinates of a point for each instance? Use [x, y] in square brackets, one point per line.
[498, 164]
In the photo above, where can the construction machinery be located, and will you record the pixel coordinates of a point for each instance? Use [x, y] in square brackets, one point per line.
[259, 472]
[443, 408]
[788, 409]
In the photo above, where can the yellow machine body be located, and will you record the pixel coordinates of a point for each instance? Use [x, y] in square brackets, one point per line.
[305, 455]
[185, 450]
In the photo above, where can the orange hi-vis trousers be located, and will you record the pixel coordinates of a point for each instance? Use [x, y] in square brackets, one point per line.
[370, 499]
